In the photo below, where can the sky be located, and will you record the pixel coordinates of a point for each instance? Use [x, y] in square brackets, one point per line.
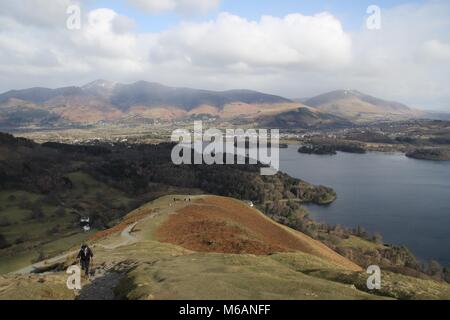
[291, 48]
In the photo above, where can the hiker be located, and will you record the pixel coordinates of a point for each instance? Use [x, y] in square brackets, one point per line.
[85, 256]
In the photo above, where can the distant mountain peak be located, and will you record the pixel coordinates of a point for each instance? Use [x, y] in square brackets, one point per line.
[345, 93]
[355, 105]
[100, 83]
[352, 92]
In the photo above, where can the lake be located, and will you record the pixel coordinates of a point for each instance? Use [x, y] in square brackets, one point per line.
[406, 200]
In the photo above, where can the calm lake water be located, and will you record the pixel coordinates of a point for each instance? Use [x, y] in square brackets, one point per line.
[406, 200]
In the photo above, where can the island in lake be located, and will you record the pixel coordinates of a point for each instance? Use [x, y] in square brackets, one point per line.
[434, 154]
[331, 149]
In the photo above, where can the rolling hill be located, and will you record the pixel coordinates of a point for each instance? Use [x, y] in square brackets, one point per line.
[245, 256]
[46, 188]
[304, 118]
[356, 106]
[104, 101]
[225, 225]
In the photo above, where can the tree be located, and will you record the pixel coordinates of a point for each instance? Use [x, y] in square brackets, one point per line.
[4, 222]
[51, 199]
[446, 272]
[435, 269]
[377, 238]
[24, 203]
[54, 230]
[360, 232]
[37, 213]
[3, 243]
[60, 212]
[339, 231]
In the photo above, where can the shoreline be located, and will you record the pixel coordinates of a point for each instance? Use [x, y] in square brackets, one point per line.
[318, 211]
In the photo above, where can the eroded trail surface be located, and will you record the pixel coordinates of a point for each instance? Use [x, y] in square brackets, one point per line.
[101, 288]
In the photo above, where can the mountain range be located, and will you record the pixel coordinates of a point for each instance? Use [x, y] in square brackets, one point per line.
[356, 106]
[141, 102]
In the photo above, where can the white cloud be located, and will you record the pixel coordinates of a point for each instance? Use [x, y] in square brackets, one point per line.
[41, 13]
[295, 56]
[293, 41]
[189, 7]
[123, 24]
[436, 51]
[397, 62]
[37, 55]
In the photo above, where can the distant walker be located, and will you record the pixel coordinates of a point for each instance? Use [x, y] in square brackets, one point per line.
[85, 255]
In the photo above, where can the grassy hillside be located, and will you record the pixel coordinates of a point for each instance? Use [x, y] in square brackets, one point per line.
[45, 189]
[304, 118]
[359, 107]
[104, 101]
[37, 226]
[139, 266]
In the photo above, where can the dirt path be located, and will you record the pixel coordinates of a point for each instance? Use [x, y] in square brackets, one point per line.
[106, 277]
[42, 264]
[125, 234]
[101, 288]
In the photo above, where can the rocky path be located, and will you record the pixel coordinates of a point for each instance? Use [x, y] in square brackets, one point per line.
[125, 235]
[105, 277]
[101, 288]
[104, 280]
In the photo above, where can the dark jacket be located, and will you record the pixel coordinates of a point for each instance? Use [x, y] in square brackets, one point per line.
[85, 254]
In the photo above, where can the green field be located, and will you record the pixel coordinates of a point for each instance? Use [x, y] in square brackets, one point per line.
[58, 228]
